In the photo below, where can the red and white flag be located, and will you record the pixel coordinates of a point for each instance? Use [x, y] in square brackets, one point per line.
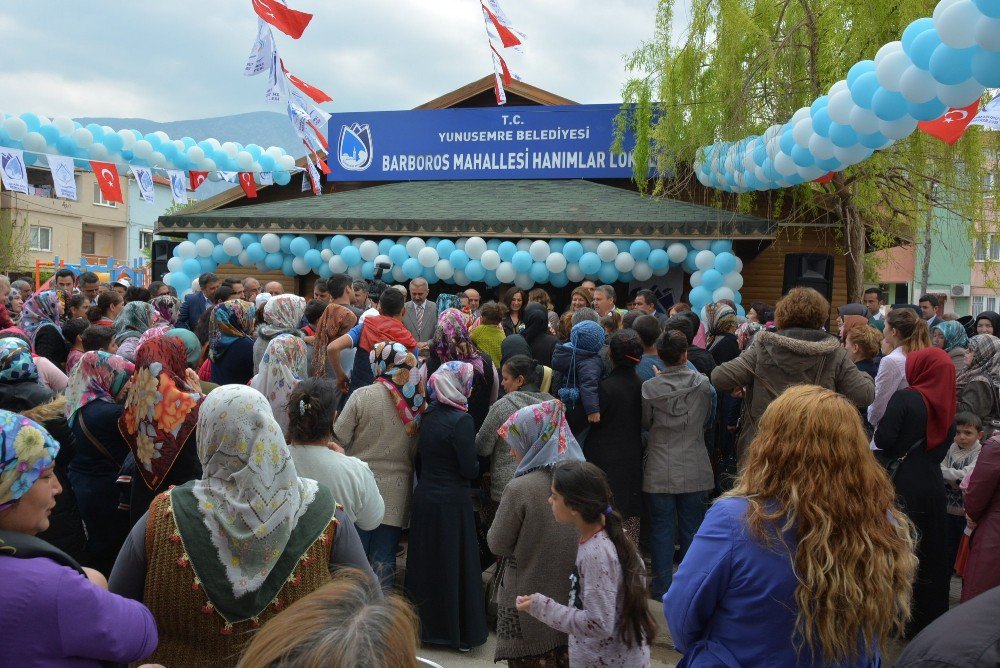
[508, 35]
[310, 90]
[950, 127]
[246, 182]
[107, 179]
[287, 20]
[501, 76]
[314, 177]
[197, 178]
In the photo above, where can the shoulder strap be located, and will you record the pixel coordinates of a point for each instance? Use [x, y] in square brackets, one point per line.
[546, 383]
[94, 442]
[23, 546]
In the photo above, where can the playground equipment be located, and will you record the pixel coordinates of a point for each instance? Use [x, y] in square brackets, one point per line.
[137, 272]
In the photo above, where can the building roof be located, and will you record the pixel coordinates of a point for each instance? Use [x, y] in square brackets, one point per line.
[498, 208]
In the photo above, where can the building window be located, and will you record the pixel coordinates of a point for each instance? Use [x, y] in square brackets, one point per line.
[87, 243]
[40, 238]
[99, 198]
[989, 181]
[145, 240]
[982, 303]
[988, 246]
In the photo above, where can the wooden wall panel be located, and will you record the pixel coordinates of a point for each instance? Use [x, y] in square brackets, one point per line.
[763, 276]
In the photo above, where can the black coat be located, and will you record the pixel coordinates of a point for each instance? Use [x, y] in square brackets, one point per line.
[702, 360]
[49, 342]
[615, 443]
[725, 347]
[964, 637]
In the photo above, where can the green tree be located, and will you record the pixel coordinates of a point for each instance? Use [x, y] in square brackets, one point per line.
[13, 242]
[743, 65]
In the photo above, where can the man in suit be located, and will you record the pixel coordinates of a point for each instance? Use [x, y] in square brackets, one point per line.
[645, 301]
[196, 303]
[928, 308]
[420, 314]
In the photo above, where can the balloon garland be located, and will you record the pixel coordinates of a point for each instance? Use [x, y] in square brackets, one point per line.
[940, 62]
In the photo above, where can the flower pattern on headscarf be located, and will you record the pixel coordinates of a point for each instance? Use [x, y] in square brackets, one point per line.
[38, 311]
[954, 334]
[451, 342]
[97, 377]
[231, 321]
[282, 315]
[26, 450]
[150, 334]
[282, 367]
[451, 384]
[396, 369]
[719, 318]
[745, 333]
[587, 335]
[336, 321]
[16, 363]
[985, 364]
[541, 435]
[250, 497]
[160, 409]
[133, 321]
[167, 309]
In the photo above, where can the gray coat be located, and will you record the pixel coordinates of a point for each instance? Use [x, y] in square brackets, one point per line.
[677, 405]
[775, 361]
[426, 329]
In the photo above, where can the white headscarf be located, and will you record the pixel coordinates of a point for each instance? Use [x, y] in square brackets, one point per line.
[281, 369]
[250, 496]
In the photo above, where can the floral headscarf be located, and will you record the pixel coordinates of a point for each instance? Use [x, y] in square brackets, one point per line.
[954, 334]
[745, 333]
[167, 308]
[451, 384]
[250, 497]
[231, 321]
[99, 376]
[451, 340]
[16, 363]
[396, 369]
[133, 321]
[282, 314]
[160, 409]
[40, 310]
[541, 435]
[150, 334]
[281, 369]
[26, 450]
[336, 321]
[985, 364]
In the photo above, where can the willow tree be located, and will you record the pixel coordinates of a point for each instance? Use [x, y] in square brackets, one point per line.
[743, 65]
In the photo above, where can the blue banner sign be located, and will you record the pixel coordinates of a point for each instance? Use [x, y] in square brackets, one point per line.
[554, 142]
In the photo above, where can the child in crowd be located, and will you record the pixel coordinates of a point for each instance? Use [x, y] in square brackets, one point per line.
[579, 362]
[607, 618]
[648, 329]
[99, 338]
[863, 345]
[314, 311]
[489, 335]
[957, 464]
[73, 330]
[611, 323]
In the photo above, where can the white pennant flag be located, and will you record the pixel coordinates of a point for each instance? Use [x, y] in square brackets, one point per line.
[63, 176]
[319, 117]
[144, 177]
[313, 176]
[989, 116]
[13, 172]
[231, 177]
[260, 54]
[178, 186]
[305, 182]
[277, 85]
[266, 178]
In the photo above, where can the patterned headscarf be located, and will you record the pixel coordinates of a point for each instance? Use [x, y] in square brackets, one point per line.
[336, 321]
[16, 363]
[745, 333]
[231, 321]
[192, 346]
[281, 369]
[160, 409]
[985, 364]
[282, 315]
[719, 319]
[250, 497]
[954, 334]
[451, 384]
[451, 340]
[396, 369]
[167, 308]
[99, 376]
[541, 435]
[40, 310]
[133, 321]
[26, 450]
[587, 335]
[150, 334]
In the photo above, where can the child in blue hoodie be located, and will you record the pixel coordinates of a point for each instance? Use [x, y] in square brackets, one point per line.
[579, 362]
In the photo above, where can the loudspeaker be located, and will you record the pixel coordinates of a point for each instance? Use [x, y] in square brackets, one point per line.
[163, 250]
[809, 270]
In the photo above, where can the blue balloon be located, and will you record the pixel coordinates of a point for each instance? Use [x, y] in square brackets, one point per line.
[625, 277]
[759, 153]
[368, 271]
[914, 29]
[521, 261]
[928, 111]
[248, 239]
[506, 249]
[802, 157]
[658, 259]
[724, 263]
[712, 279]
[539, 272]
[952, 66]
[787, 141]
[207, 264]
[875, 140]
[573, 251]
[65, 145]
[622, 245]
[608, 273]
[445, 248]
[313, 258]
[986, 67]
[491, 279]
[639, 249]
[557, 245]
[830, 165]
[843, 135]
[286, 266]
[559, 280]
[699, 297]
[864, 89]
[689, 261]
[492, 244]
[397, 254]
[888, 106]
[286, 242]
[191, 266]
[254, 150]
[220, 255]
[298, 246]
[274, 260]
[721, 246]
[352, 256]
[858, 69]
[923, 47]
[256, 252]
[474, 271]
[412, 268]
[740, 311]
[50, 132]
[339, 243]
[590, 263]
[32, 121]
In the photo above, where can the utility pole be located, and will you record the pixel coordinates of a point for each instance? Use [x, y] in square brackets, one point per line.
[925, 268]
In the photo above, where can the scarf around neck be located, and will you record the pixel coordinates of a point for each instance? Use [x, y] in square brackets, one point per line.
[541, 435]
[397, 370]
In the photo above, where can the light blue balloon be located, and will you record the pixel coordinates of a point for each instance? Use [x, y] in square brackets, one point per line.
[474, 270]
[590, 263]
[625, 277]
[220, 255]
[802, 157]
[445, 248]
[196, 236]
[247, 240]
[608, 273]
[787, 141]
[740, 311]
[622, 245]
[639, 249]
[559, 280]
[207, 264]
[557, 245]
[986, 67]
[720, 246]
[737, 298]
[923, 47]
[539, 272]
[256, 252]
[191, 266]
[864, 89]
[887, 105]
[286, 266]
[699, 297]
[339, 243]
[689, 262]
[281, 177]
[286, 242]
[351, 256]
[573, 252]
[658, 259]
[874, 141]
[521, 261]
[843, 135]
[830, 165]
[491, 279]
[398, 254]
[725, 262]
[506, 249]
[712, 279]
[325, 271]
[952, 66]
[459, 259]
[858, 69]
[274, 260]
[298, 246]
[368, 271]
[914, 29]
[493, 244]
[928, 111]
[314, 258]
[412, 268]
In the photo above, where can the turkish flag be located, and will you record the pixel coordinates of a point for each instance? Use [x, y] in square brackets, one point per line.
[507, 36]
[950, 127]
[315, 93]
[107, 178]
[246, 182]
[197, 178]
[289, 21]
[826, 178]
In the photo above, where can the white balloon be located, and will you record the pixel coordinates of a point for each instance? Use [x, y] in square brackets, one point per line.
[460, 244]
[772, 132]
[642, 271]
[326, 254]
[839, 107]
[941, 6]
[244, 160]
[271, 243]
[556, 262]
[722, 293]
[208, 165]
[953, 23]
[590, 245]
[337, 264]
[444, 270]
[677, 252]
[357, 241]
[164, 137]
[413, 245]
[379, 259]
[733, 281]
[232, 246]
[524, 281]
[803, 131]
[987, 33]
[539, 250]
[369, 250]
[475, 247]
[128, 139]
[784, 164]
[837, 87]
[900, 129]
[300, 266]
[696, 278]
[196, 154]
[204, 247]
[398, 275]
[701, 244]
[16, 128]
[607, 251]
[34, 142]
[354, 272]
[523, 244]
[960, 95]
[820, 147]
[890, 70]
[230, 149]
[704, 260]
[506, 272]
[244, 259]
[276, 152]
[285, 162]
[573, 273]
[864, 121]
[800, 113]
[917, 85]
[891, 47]
[428, 257]
[852, 155]
[460, 278]
[186, 250]
[174, 264]
[142, 149]
[222, 236]
[157, 159]
[624, 262]
[490, 260]
[64, 125]
[811, 173]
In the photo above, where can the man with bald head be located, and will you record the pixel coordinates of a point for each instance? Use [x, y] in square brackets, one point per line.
[274, 288]
[473, 297]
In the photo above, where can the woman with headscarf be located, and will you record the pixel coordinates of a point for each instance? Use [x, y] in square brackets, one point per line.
[451, 343]
[193, 352]
[846, 310]
[914, 434]
[41, 321]
[134, 320]
[53, 611]
[443, 573]
[159, 418]
[231, 344]
[167, 309]
[536, 333]
[282, 315]
[987, 322]
[542, 551]
[978, 381]
[219, 556]
[950, 336]
[281, 369]
[379, 426]
[336, 321]
[720, 328]
[93, 408]
[15, 304]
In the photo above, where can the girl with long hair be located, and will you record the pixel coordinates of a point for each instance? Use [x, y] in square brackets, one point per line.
[905, 332]
[810, 539]
[607, 618]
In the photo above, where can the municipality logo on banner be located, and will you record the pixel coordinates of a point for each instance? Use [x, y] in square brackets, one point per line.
[178, 188]
[63, 177]
[12, 170]
[355, 149]
[144, 177]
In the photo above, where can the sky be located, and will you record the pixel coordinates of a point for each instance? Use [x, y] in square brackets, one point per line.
[183, 59]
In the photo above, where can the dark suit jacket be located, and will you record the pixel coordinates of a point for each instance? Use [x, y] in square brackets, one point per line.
[192, 309]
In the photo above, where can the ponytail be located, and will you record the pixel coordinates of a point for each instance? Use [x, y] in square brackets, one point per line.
[585, 489]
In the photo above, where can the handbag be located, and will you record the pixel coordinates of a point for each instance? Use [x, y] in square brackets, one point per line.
[892, 465]
[492, 589]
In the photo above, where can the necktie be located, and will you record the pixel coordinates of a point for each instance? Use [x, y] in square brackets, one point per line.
[420, 317]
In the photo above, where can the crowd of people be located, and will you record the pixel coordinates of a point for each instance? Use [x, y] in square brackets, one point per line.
[232, 478]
